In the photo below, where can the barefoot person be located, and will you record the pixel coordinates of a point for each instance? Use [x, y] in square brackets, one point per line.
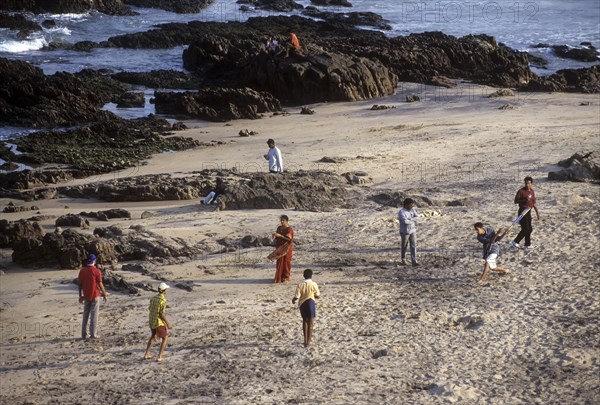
[526, 199]
[408, 217]
[159, 324]
[491, 249]
[284, 241]
[306, 293]
[90, 287]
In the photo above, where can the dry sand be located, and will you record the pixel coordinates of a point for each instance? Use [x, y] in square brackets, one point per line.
[384, 333]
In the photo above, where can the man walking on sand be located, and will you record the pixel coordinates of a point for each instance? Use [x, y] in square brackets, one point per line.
[90, 287]
[159, 324]
[526, 199]
[274, 158]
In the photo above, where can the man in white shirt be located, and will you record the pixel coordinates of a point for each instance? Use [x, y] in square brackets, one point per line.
[274, 158]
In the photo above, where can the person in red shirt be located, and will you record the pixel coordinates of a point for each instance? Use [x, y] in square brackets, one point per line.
[526, 199]
[90, 287]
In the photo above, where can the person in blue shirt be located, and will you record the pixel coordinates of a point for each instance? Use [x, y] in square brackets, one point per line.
[491, 250]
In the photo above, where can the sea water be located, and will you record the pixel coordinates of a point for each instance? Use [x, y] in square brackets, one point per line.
[518, 24]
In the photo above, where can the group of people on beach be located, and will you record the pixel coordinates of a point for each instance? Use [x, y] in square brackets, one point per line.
[91, 286]
[525, 198]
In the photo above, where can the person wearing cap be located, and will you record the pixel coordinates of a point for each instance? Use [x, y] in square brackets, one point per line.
[274, 158]
[90, 287]
[158, 322]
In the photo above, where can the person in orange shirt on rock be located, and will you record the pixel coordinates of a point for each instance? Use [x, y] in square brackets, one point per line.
[294, 40]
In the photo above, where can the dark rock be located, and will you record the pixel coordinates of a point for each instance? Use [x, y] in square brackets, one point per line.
[72, 220]
[365, 18]
[9, 166]
[100, 148]
[249, 241]
[314, 190]
[580, 167]
[412, 98]
[326, 76]
[11, 207]
[111, 7]
[502, 93]
[148, 214]
[17, 22]
[537, 61]
[307, 111]
[216, 104]
[108, 214]
[187, 286]
[278, 5]
[22, 229]
[379, 353]
[245, 133]
[130, 100]
[377, 107]
[179, 126]
[176, 6]
[41, 217]
[49, 24]
[586, 54]
[32, 99]
[160, 79]
[585, 80]
[329, 3]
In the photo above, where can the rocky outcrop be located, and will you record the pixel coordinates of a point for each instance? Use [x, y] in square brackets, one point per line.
[18, 23]
[277, 5]
[364, 19]
[322, 77]
[130, 100]
[217, 104]
[72, 220]
[30, 98]
[176, 6]
[111, 7]
[160, 79]
[587, 52]
[329, 3]
[100, 148]
[22, 229]
[585, 80]
[580, 167]
[303, 190]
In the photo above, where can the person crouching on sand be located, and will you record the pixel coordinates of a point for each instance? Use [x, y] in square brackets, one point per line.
[491, 250]
[306, 292]
[159, 324]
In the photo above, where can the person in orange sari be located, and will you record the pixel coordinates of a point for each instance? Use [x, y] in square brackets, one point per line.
[284, 240]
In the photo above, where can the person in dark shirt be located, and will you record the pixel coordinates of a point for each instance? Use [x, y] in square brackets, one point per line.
[526, 199]
[491, 250]
[216, 196]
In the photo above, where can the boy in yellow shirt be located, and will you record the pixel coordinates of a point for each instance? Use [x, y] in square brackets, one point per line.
[306, 292]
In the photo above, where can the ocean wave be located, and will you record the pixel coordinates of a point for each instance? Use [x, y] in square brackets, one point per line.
[59, 30]
[23, 46]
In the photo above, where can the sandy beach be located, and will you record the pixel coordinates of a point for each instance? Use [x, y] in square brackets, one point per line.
[385, 333]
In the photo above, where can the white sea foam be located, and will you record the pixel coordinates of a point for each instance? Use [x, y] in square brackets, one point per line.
[23, 46]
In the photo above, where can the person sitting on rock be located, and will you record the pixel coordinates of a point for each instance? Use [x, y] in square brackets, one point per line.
[215, 196]
[294, 40]
[272, 45]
